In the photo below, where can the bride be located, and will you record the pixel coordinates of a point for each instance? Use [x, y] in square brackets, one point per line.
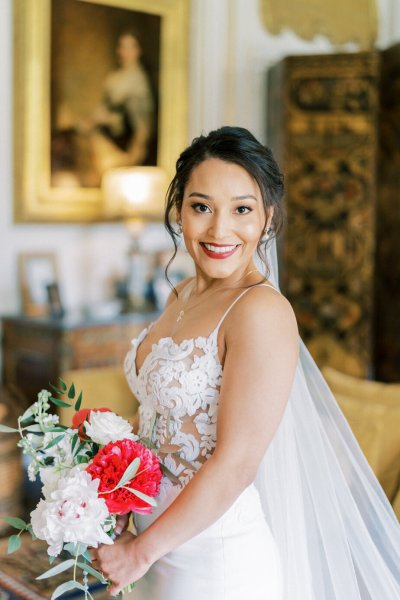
[270, 496]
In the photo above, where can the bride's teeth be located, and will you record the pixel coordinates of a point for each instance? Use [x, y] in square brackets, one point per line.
[219, 249]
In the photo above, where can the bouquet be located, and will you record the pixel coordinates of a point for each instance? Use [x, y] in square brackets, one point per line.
[91, 473]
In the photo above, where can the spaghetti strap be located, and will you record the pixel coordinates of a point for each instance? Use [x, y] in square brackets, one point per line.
[238, 298]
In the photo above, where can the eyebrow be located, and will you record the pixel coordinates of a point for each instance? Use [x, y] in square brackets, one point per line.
[206, 197]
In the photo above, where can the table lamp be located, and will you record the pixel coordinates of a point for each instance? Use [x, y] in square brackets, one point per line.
[135, 195]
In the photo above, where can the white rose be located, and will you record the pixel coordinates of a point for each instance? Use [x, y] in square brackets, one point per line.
[72, 513]
[105, 427]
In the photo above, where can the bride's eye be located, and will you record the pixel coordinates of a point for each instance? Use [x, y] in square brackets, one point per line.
[200, 207]
[243, 210]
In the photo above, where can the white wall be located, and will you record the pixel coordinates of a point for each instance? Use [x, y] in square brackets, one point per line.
[229, 55]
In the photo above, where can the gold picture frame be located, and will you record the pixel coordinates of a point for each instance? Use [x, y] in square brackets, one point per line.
[37, 197]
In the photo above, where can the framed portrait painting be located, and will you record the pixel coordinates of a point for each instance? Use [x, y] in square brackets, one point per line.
[98, 84]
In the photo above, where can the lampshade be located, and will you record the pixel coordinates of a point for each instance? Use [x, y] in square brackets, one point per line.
[134, 193]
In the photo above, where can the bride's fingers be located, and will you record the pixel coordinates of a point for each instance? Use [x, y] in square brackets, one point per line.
[122, 524]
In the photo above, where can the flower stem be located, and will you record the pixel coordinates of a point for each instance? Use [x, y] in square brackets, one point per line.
[76, 560]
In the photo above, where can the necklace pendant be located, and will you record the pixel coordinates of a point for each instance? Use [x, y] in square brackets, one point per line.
[180, 316]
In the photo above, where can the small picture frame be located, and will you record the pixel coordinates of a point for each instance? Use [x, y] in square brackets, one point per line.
[37, 274]
[56, 308]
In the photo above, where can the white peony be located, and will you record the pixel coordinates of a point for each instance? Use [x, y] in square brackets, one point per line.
[105, 427]
[50, 477]
[72, 513]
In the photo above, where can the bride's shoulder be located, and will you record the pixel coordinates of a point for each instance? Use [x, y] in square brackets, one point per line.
[260, 311]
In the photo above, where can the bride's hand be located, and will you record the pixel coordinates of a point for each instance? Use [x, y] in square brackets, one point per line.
[121, 563]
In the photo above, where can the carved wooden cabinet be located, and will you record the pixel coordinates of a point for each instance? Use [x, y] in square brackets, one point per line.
[339, 261]
[36, 351]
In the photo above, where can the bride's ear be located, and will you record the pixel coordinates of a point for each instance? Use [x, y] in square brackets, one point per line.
[269, 217]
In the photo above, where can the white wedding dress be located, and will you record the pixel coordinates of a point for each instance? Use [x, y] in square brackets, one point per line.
[237, 556]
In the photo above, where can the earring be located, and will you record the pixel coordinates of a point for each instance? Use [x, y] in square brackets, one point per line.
[266, 235]
[179, 230]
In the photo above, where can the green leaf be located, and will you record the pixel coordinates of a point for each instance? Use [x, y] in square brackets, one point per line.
[63, 384]
[33, 428]
[6, 429]
[55, 441]
[82, 459]
[16, 522]
[14, 543]
[56, 389]
[28, 413]
[71, 391]
[66, 587]
[58, 428]
[58, 402]
[66, 564]
[142, 496]
[79, 401]
[86, 556]
[52, 559]
[130, 472]
[73, 547]
[74, 441]
[27, 421]
[89, 569]
[30, 530]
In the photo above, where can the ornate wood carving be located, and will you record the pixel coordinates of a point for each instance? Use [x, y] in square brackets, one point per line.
[322, 122]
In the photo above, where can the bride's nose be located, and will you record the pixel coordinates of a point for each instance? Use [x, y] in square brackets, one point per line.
[219, 226]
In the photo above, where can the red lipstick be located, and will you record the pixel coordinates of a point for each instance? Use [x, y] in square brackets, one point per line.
[218, 255]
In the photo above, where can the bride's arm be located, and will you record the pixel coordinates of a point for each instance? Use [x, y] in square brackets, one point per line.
[262, 345]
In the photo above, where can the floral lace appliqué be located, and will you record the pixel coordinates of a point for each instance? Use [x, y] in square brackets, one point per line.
[178, 391]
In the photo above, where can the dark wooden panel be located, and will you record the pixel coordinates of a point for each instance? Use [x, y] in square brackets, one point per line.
[323, 125]
[387, 315]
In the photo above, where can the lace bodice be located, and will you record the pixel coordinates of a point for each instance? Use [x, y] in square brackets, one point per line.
[177, 387]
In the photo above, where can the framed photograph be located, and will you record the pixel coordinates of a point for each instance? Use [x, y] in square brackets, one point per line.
[98, 84]
[37, 278]
[55, 305]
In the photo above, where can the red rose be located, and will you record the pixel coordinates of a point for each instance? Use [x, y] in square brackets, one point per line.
[109, 465]
[83, 415]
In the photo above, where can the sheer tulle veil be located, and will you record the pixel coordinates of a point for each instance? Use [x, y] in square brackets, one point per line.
[338, 536]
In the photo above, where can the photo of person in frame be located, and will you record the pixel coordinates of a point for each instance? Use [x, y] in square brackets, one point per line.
[104, 96]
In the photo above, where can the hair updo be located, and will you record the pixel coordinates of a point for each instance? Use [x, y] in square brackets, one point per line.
[234, 145]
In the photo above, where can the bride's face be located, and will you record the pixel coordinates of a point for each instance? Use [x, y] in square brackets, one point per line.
[222, 217]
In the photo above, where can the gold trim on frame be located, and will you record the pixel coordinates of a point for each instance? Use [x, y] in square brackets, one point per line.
[35, 200]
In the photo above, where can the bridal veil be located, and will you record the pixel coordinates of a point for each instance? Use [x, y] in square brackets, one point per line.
[336, 530]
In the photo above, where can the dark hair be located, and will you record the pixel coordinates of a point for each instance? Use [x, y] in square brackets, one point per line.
[133, 33]
[234, 145]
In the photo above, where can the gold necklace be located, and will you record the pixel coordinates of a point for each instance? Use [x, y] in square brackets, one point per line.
[182, 311]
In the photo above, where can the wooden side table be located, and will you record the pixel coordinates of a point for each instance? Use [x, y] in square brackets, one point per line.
[37, 350]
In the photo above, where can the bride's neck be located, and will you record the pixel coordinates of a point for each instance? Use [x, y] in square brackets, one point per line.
[202, 283]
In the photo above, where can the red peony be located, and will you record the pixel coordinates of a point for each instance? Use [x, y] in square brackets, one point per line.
[82, 415]
[109, 465]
